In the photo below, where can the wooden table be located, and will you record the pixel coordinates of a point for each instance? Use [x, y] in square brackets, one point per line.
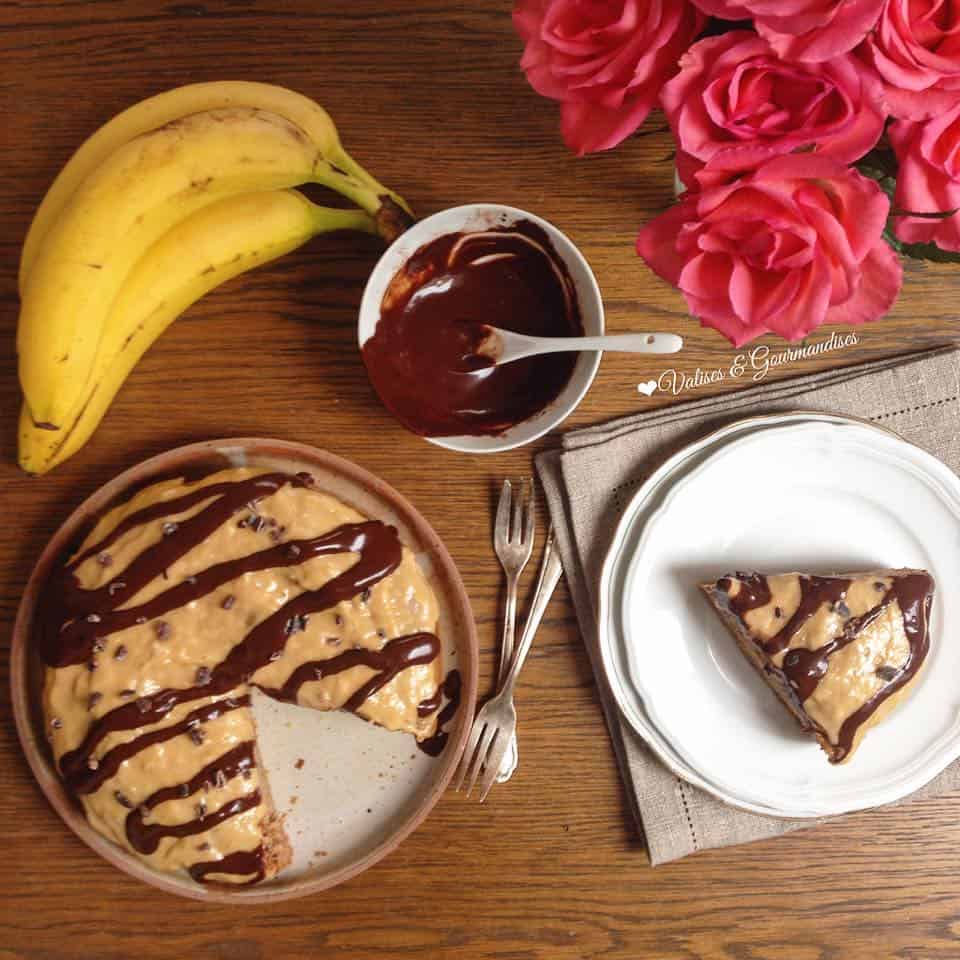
[429, 97]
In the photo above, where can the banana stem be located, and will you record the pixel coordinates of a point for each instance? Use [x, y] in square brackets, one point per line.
[391, 218]
[329, 219]
[343, 161]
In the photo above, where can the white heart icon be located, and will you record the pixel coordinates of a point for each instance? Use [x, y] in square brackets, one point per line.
[647, 388]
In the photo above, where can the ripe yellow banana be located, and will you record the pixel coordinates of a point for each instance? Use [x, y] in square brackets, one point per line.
[338, 166]
[132, 199]
[206, 249]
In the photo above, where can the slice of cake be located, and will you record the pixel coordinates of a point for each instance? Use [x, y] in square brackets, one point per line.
[839, 651]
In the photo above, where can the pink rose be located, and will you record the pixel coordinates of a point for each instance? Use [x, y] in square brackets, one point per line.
[735, 104]
[791, 246]
[604, 61]
[929, 178]
[916, 50]
[803, 29]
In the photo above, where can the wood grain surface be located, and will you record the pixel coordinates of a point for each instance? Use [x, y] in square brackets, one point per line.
[428, 95]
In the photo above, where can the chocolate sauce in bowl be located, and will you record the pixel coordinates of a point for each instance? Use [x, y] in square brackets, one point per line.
[422, 358]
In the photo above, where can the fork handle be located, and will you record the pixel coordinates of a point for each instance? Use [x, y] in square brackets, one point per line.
[509, 629]
[550, 574]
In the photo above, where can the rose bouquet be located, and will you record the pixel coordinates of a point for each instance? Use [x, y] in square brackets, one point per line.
[815, 140]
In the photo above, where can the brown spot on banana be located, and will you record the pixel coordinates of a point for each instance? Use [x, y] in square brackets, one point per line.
[391, 219]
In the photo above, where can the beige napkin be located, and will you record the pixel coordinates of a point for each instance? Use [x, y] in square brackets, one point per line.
[590, 480]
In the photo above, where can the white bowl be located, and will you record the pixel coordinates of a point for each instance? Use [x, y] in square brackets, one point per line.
[482, 216]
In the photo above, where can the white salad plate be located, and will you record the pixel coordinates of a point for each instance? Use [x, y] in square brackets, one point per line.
[797, 491]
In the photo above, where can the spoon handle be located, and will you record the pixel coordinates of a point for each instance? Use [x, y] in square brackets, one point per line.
[622, 342]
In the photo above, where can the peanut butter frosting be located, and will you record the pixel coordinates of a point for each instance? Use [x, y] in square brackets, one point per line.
[180, 601]
[841, 651]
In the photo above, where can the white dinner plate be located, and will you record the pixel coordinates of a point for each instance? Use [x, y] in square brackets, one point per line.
[802, 492]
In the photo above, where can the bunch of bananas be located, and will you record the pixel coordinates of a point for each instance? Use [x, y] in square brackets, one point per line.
[166, 201]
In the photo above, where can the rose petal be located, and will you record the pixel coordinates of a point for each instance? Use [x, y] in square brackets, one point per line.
[605, 62]
[880, 281]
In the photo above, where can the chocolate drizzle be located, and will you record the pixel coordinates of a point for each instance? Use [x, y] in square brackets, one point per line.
[75, 767]
[754, 592]
[74, 620]
[393, 657]
[66, 601]
[380, 552]
[914, 596]
[78, 637]
[814, 592]
[145, 837]
[241, 863]
[452, 687]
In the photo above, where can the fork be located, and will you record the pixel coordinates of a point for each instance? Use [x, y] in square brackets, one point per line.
[513, 543]
[495, 726]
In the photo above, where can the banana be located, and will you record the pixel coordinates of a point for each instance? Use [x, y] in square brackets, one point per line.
[136, 195]
[338, 166]
[206, 249]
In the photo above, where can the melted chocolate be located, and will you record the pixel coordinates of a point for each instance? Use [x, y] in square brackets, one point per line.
[393, 657]
[146, 837]
[814, 592]
[242, 863]
[62, 643]
[75, 766]
[754, 592]
[422, 357]
[452, 688]
[73, 619]
[914, 596]
[380, 552]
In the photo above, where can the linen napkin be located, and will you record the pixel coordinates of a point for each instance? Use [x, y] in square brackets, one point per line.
[591, 478]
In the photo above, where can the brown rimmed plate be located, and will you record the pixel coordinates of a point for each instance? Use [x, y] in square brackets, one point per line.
[360, 790]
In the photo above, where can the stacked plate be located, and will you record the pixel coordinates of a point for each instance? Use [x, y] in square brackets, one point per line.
[809, 492]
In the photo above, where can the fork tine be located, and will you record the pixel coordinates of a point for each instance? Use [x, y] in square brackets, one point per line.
[531, 515]
[516, 532]
[467, 757]
[493, 762]
[502, 527]
[489, 735]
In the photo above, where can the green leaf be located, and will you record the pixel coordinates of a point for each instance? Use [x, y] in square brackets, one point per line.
[939, 215]
[881, 161]
[891, 238]
[929, 251]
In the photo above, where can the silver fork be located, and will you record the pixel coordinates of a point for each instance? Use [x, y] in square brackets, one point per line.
[495, 726]
[513, 543]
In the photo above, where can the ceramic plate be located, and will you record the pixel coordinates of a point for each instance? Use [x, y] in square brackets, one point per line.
[812, 496]
[360, 789]
[647, 499]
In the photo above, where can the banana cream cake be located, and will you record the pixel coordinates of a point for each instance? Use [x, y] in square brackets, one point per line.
[174, 607]
[839, 651]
